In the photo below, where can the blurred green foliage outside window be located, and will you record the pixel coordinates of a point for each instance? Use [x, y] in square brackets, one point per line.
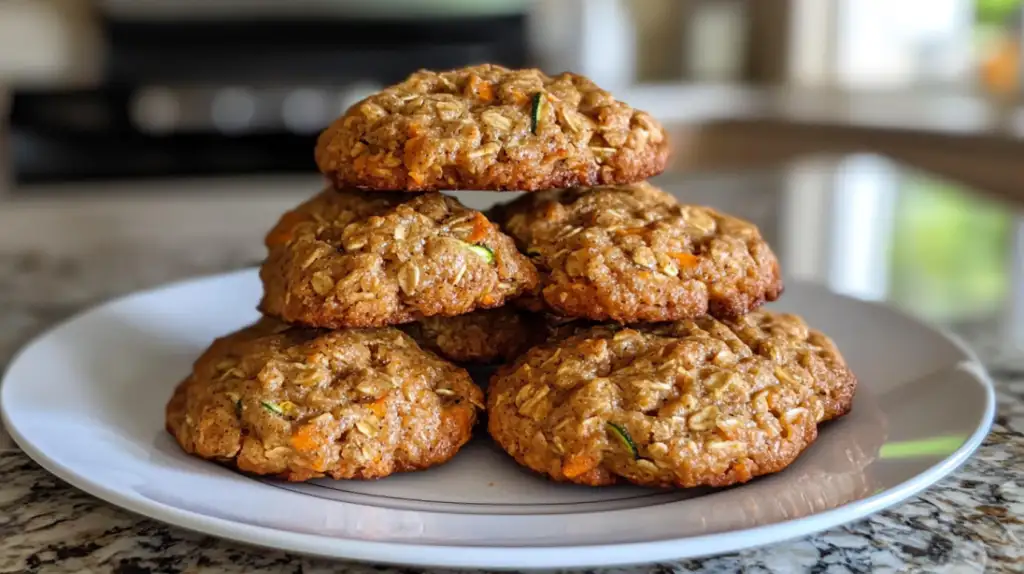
[995, 11]
[951, 250]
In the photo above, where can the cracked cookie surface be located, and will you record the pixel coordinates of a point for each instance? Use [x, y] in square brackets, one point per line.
[633, 253]
[491, 128]
[691, 403]
[369, 259]
[300, 403]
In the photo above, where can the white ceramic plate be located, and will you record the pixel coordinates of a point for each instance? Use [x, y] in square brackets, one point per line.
[86, 401]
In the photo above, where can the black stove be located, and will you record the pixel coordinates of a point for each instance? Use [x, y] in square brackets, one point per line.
[206, 97]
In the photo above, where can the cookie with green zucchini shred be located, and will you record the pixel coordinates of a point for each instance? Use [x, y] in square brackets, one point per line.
[300, 403]
[368, 259]
[488, 127]
[685, 404]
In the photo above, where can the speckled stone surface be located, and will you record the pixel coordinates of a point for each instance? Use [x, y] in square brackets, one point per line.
[970, 522]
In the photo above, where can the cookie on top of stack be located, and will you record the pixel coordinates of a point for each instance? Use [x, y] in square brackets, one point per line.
[626, 323]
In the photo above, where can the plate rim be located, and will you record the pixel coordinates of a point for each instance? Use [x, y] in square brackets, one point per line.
[508, 557]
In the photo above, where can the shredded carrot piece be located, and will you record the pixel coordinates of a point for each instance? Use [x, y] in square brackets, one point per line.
[486, 92]
[554, 156]
[742, 471]
[306, 439]
[480, 227]
[685, 260]
[487, 299]
[480, 89]
[285, 229]
[318, 463]
[579, 464]
[457, 417]
[413, 146]
[379, 407]
[279, 236]
[360, 163]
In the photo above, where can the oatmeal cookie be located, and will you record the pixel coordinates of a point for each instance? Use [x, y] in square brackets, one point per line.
[632, 253]
[684, 404]
[303, 403]
[786, 339]
[783, 338]
[364, 259]
[491, 128]
[484, 337]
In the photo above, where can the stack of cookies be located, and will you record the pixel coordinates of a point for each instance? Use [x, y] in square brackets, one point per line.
[625, 325]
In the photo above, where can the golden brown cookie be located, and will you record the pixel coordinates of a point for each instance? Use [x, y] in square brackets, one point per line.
[483, 337]
[632, 253]
[364, 259]
[786, 339]
[304, 403]
[491, 128]
[684, 404]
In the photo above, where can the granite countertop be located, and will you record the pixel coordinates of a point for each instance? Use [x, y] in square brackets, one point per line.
[971, 522]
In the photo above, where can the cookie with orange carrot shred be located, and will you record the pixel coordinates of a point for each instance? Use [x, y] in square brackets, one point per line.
[633, 253]
[689, 403]
[488, 127]
[301, 403]
[369, 259]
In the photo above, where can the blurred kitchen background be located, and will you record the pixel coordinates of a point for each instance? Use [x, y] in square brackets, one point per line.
[104, 89]
[879, 143]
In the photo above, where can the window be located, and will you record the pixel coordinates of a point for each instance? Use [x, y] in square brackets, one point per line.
[903, 43]
[950, 45]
